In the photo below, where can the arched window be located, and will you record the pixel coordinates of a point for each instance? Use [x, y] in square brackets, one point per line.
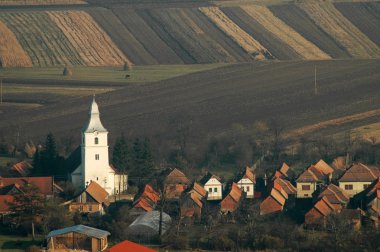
[96, 140]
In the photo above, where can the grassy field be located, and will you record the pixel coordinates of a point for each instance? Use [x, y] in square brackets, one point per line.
[17, 243]
[107, 74]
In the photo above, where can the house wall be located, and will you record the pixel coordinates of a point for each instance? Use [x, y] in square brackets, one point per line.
[213, 184]
[357, 187]
[246, 183]
[86, 207]
[305, 193]
[228, 205]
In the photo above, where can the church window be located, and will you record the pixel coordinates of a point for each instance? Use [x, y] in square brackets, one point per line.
[96, 156]
[96, 140]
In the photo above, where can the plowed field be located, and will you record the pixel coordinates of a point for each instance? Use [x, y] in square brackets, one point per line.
[365, 16]
[334, 23]
[41, 38]
[11, 52]
[93, 45]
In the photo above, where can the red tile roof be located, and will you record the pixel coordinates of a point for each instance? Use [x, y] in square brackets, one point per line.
[174, 191]
[97, 192]
[360, 173]
[278, 188]
[286, 185]
[335, 195]
[324, 206]
[150, 193]
[312, 174]
[248, 174]
[144, 204]
[284, 169]
[128, 246]
[23, 168]
[176, 177]
[199, 189]
[324, 167]
[232, 201]
[44, 184]
[270, 205]
[4, 208]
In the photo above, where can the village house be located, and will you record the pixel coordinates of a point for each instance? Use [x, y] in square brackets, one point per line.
[93, 199]
[313, 178]
[282, 172]
[146, 201]
[231, 202]
[357, 178]
[94, 165]
[213, 185]
[192, 202]
[175, 183]
[246, 181]
[79, 237]
[336, 196]
[281, 196]
[317, 216]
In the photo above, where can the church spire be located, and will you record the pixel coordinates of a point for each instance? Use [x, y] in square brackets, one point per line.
[94, 123]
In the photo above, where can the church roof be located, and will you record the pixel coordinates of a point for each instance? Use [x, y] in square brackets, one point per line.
[94, 123]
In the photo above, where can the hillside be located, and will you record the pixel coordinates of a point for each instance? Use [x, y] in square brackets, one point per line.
[215, 99]
[198, 32]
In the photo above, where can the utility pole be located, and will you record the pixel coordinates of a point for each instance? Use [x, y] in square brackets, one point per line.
[315, 81]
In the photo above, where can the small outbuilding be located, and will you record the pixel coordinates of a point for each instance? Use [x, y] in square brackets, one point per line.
[147, 225]
[78, 237]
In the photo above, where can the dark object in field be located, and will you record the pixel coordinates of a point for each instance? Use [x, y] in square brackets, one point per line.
[67, 71]
[127, 76]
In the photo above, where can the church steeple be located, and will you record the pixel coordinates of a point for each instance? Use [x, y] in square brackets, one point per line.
[94, 124]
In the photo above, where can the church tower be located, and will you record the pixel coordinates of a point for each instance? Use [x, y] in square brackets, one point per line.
[95, 162]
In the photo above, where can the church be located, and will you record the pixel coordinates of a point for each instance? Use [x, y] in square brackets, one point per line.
[95, 164]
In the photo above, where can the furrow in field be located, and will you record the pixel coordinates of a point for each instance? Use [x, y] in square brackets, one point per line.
[41, 39]
[122, 37]
[249, 44]
[333, 22]
[11, 52]
[147, 37]
[40, 2]
[298, 19]
[93, 45]
[365, 16]
[285, 33]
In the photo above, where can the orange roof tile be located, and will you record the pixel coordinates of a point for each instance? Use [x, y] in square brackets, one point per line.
[278, 196]
[284, 169]
[249, 174]
[199, 189]
[270, 205]
[312, 174]
[97, 192]
[195, 197]
[335, 195]
[279, 188]
[286, 185]
[44, 184]
[176, 177]
[235, 192]
[128, 246]
[360, 173]
[23, 168]
[150, 193]
[324, 167]
[324, 206]
[143, 204]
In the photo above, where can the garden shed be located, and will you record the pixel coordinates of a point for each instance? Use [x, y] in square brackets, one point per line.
[78, 237]
[147, 225]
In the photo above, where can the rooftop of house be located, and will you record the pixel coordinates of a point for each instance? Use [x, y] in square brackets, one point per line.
[199, 189]
[312, 175]
[207, 177]
[97, 192]
[129, 246]
[324, 206]
[335, 195]
[286, 185]
[22, 168]
[80, 229]
[44, 184]
[175, 176]
[247, 173]
[270, 205]
[322, 166]
[359, 172]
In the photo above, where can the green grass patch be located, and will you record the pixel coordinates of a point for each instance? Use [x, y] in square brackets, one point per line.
[107, 74]
[10, 243]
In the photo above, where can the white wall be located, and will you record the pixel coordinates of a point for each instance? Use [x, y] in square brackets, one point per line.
[246, 183]
[305, 193]
[357, 187]
[213, 184]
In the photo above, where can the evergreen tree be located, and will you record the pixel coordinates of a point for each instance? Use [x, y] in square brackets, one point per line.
[37, 164]
[147, 157]
[138, 161]
[121, 154]
[50, 156]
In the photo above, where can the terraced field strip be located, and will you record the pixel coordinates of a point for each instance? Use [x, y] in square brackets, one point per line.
[93, 45]
[11, 52]
[40, 2]
[249, 44]
[298, 19]
[41, 38]
[147, 36]
[285, 33]
[334, 23]
[365, 16]
[122, 37]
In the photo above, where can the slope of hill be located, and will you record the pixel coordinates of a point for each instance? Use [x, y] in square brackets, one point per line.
[186, 34]
[215, 99]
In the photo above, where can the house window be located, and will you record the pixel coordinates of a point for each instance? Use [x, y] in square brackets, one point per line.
[96, 140]
[305, 187]
[348, 187]
[210, 190]
[215, 189]
[365, 186]
[90, 208]
[96, 156]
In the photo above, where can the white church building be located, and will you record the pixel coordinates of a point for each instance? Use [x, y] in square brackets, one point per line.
[95, 164]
